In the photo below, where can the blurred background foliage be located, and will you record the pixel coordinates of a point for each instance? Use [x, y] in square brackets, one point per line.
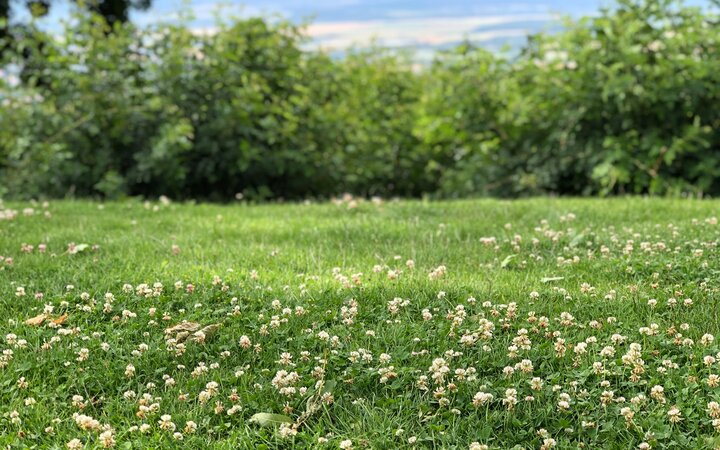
[624, 102]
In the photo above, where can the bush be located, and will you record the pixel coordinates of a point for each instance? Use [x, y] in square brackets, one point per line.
[620, 103]
[630, 98]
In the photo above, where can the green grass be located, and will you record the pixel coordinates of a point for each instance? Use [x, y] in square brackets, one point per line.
[602, 268]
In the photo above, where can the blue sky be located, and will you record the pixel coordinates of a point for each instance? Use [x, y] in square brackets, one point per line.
[423, 25]
[418, 24]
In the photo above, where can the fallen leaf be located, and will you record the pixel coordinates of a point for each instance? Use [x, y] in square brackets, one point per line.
[181, 336]
[205, 333]
[210, 329]
[267, 419]
[60, 320]
[184, 326]
[36, 321]
[549, 279]
[506, 262]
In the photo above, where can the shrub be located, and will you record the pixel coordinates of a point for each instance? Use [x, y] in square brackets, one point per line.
[623, 102]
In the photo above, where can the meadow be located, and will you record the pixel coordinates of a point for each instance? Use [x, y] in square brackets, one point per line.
[475, 324]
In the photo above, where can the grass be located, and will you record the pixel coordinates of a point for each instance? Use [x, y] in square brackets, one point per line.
[369, 361]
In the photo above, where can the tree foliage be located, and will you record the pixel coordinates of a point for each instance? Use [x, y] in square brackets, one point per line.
[623, 102]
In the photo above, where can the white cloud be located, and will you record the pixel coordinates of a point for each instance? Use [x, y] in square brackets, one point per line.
[421, 30]
[202, 12]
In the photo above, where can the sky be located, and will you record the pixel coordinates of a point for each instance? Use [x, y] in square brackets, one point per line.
[421, 25]
[417, 24]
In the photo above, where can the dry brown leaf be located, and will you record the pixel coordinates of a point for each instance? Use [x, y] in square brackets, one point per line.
[210, 329]
[181, 336]
[184, 326]
[205, 333]
[60, 320]
[36, 321]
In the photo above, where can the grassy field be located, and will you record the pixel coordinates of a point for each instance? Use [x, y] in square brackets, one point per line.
[530, 324]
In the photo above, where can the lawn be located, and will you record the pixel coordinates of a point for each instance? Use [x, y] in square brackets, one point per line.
[528, 324]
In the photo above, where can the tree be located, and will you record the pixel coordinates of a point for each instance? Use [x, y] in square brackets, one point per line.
[112, 11]
[4, 15]
[116, 10]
